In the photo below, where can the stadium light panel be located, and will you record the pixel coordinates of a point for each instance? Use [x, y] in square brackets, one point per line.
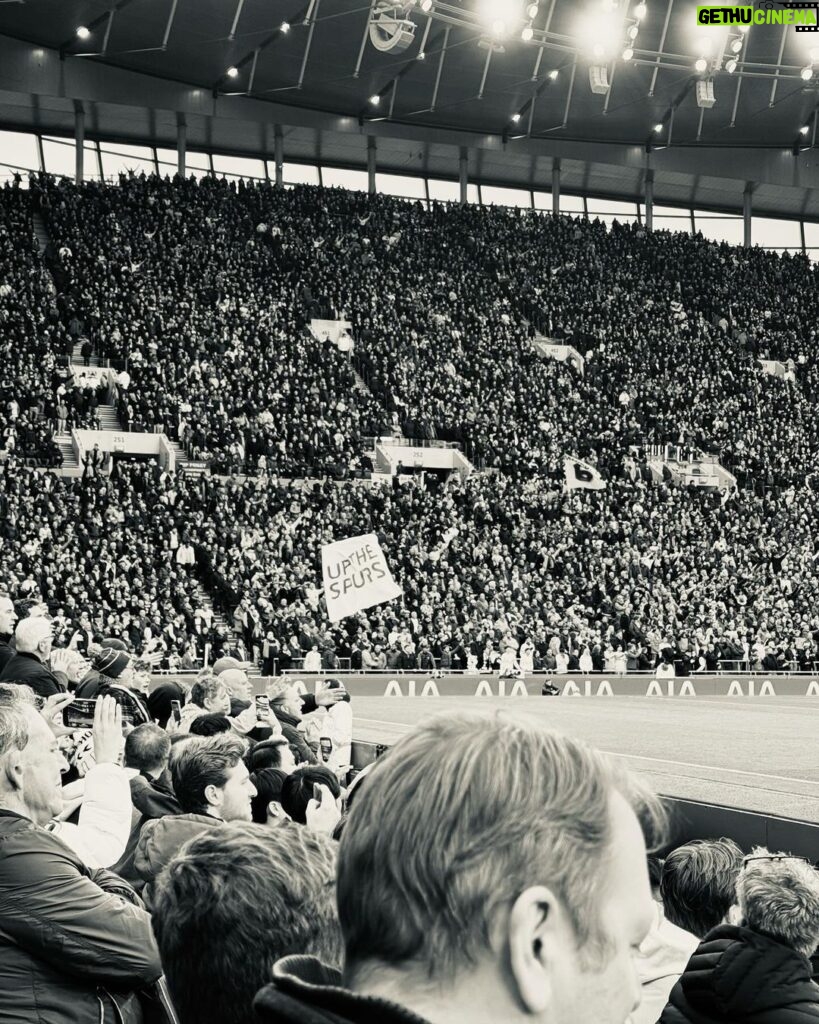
[806, 73]
[658, 127]
[701, 65]
[284, 27]
[600, 33]
[426, 6]
[375, 99]
[83, 32]
[640, 11]
[804, 130]
[628, 53]
[527, 33]
[232, 72]
[553, 74]
[736, 44]
[516, 118]
[731, 65]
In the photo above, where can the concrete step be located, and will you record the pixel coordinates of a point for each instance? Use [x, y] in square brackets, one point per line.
[77, 358]
[40, 231]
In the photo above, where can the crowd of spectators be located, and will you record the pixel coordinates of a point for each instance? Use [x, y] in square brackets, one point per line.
[205, 291]
[484, 869]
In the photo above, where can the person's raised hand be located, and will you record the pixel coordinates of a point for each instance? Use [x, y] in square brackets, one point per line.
[326, 698]
[107, 731]
[53, 713]
[322, 811]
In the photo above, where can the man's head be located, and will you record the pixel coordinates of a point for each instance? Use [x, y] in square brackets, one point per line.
[210, 725]
[526, 888]
[33, 636]
[211, 890]
[237, 683]
[698, 883]
[115, 665]
[209, 777]
[267, 804]
[147, 749]
[30, 759]
[272, 753]
[211, 694]
[285, 697]
[297, 790]
[8, 615]
[778, 895]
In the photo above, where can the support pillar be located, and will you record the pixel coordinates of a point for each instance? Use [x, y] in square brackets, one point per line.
[747, 205]
[371, 164]
[79, 144]
[278, 155]
[556, 186]
[181, 147]
[463, 173]
[649, 200]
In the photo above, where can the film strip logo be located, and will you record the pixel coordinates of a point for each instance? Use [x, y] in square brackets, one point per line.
[797, 5]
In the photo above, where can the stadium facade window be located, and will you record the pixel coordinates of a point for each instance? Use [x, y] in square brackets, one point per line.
[341, 177]
[776, 234]
[238, 166]
[18, 153]
[444, 191]
[403, 185]
[60, 159]
[670, 218]
[493, 195]
[574, 206]
[720, 227]
[610, 210]
[542, 201]
[119, 158]
[295, 174]
[197, 165]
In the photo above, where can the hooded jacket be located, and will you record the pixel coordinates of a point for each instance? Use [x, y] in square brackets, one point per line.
[161, 839]
[738, 976]
[75, 944]
[304, 991]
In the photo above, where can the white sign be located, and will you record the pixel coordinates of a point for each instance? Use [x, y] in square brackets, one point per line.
[356, 576]
[581, 476]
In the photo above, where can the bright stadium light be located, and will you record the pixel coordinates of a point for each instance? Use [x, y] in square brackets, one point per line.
[640, 11]
[516, 118]
[553, 74]
[632, 32]
[375, 99]
[658, 127]
[232, 72]
[527, 34]
[501, 17]
[426, 6]
[284, 28]
[83, 32]
[628, 53]
[531, 11]
[731, 65]
[806, 73]
[701, 65]
[600, 32]
[804, 130]
[736, 44]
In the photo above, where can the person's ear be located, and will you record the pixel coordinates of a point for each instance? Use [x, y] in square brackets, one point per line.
[537, 930]
[13, 769]
[213, 795]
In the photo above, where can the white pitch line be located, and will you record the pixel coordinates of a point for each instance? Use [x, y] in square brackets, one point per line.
[640, 757]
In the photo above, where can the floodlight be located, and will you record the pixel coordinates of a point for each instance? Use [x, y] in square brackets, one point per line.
[553, 74]
[736, 44]
[658, 127]
[701, 65]
[640, 11]
[806, 73]
[426, 6]
[632, 32]
[628, 53]
[531, 11]
[731, 65]
[375, 99]
[421, 55]
[232, 72]
[803, 130]
[527, 34]
[516, 118]
[83, 32]
[284, 28]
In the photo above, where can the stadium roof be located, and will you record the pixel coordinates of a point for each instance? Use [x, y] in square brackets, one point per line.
[148, 63]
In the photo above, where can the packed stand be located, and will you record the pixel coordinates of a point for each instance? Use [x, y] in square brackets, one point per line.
[219, 878]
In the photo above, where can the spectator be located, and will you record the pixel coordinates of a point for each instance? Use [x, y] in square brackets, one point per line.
[757, 969]
[523, 896]
[210, 725]
[147, 753]
[298, 790]
[79, 941]
[220, 931]
[286, 704]
[698, 884]
[32, 641]
[272, 753]
[266, 805]
[212, 786]
[8, 617]
[208, 696]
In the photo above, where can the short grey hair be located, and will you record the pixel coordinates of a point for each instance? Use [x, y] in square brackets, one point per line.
[456, 820]
[779, 895]
[15, 701]
[279, 690]
[30, 633]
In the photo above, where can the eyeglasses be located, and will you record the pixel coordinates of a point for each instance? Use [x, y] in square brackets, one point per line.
[772, 857]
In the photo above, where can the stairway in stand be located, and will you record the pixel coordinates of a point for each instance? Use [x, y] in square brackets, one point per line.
[191, 467]
[219, 620]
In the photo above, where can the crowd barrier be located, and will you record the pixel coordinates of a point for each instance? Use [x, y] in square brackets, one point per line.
[421, 684]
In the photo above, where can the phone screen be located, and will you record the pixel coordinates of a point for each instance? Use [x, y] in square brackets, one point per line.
[79, 714]
[262, 704]
[176, 711]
